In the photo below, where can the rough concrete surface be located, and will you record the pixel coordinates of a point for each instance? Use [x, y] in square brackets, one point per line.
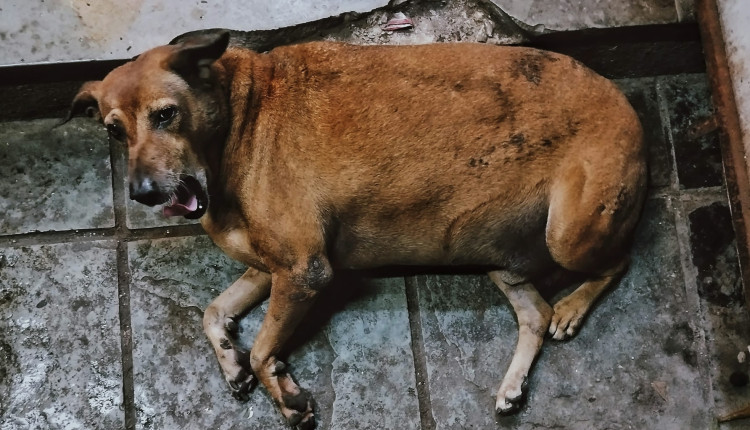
[101, 311]
[54, 178]
[574, 14]
[59, 337]
[48, 31]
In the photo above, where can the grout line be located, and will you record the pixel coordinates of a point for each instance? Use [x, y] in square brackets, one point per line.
[110, 233]
[55, 237]
[126, 335]
[426, 419]
[117, 164]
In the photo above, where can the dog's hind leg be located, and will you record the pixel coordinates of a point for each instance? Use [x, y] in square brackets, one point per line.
[572, 309]
[533, 314]
[220, 325]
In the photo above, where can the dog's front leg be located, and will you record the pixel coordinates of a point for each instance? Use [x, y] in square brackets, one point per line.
[293, 293]
[220, 325]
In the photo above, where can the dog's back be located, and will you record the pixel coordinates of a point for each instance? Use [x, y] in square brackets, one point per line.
[416, 152]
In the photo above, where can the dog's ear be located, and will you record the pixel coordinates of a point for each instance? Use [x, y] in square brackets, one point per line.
[195, 53]
[85, 103]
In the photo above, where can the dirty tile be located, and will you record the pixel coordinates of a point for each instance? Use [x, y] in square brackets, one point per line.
[686, 10]
[60, 359]
[714, 255]
[54, 178]
[633, 365]
[353, 352]
[642, 95]
[577, 14]
[698, 157]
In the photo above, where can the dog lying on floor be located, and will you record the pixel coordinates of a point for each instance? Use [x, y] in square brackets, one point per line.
[320, 156]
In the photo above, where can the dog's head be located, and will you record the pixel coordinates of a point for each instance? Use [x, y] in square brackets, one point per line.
[167, 107]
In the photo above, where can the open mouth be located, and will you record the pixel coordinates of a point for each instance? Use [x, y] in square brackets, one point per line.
[188, 200]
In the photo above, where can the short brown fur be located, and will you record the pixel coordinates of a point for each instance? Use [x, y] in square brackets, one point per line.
[322, 156]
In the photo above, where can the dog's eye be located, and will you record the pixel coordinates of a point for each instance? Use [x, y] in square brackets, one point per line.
[165, 116]
[115, 132]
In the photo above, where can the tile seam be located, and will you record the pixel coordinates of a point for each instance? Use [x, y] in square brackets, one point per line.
[427, 420]
[121, 233]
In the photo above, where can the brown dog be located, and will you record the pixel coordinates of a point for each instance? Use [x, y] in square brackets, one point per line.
[323, 155]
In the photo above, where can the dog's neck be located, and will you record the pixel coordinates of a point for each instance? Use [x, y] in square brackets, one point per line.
[244, 77]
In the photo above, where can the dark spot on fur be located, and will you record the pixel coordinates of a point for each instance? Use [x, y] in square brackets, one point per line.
[601, 208]
[319, 273]
[531, 66]
[518, 139]
[472, 162]
[299, 296]
[224, 343]
[546, 142]
[458, 86]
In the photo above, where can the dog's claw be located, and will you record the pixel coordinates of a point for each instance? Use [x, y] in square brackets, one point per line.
[307, 424]
[512, 400]
[242, 385]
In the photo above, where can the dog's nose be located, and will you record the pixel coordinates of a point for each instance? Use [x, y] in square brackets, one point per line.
[145, 190]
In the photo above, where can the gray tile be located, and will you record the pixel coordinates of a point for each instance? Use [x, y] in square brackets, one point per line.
[686, 10]
[54, 178]
[642, 95]
[698, 158]
[60, 359]
[577, 14]
[353, 352]
[727, 323]
[637, 337]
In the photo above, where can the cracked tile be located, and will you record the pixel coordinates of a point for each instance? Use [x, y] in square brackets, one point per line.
[54, 178]
[606, 374]
[353, 352]
[60, 359]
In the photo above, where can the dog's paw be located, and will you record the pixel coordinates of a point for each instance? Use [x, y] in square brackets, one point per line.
[567, 318]
[298, 409]
[510, 397]
[296, 404]
[241, 385]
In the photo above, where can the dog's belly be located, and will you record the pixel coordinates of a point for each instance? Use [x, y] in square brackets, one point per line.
[513, 241]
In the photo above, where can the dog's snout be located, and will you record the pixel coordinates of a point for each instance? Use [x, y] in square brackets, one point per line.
[145, 190]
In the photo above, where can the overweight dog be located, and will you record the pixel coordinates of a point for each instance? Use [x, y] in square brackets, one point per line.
[325, 156]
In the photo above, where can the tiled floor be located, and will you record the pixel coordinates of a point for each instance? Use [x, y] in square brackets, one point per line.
[101, 305]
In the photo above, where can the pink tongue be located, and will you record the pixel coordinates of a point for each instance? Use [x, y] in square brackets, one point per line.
[178, 208]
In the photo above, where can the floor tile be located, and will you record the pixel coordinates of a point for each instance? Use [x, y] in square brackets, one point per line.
[573, 15]
[726, 320]
[353, 352]
[633, 365]
[54, 178]
[60, 359]
[698, 158]
[642, 95]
